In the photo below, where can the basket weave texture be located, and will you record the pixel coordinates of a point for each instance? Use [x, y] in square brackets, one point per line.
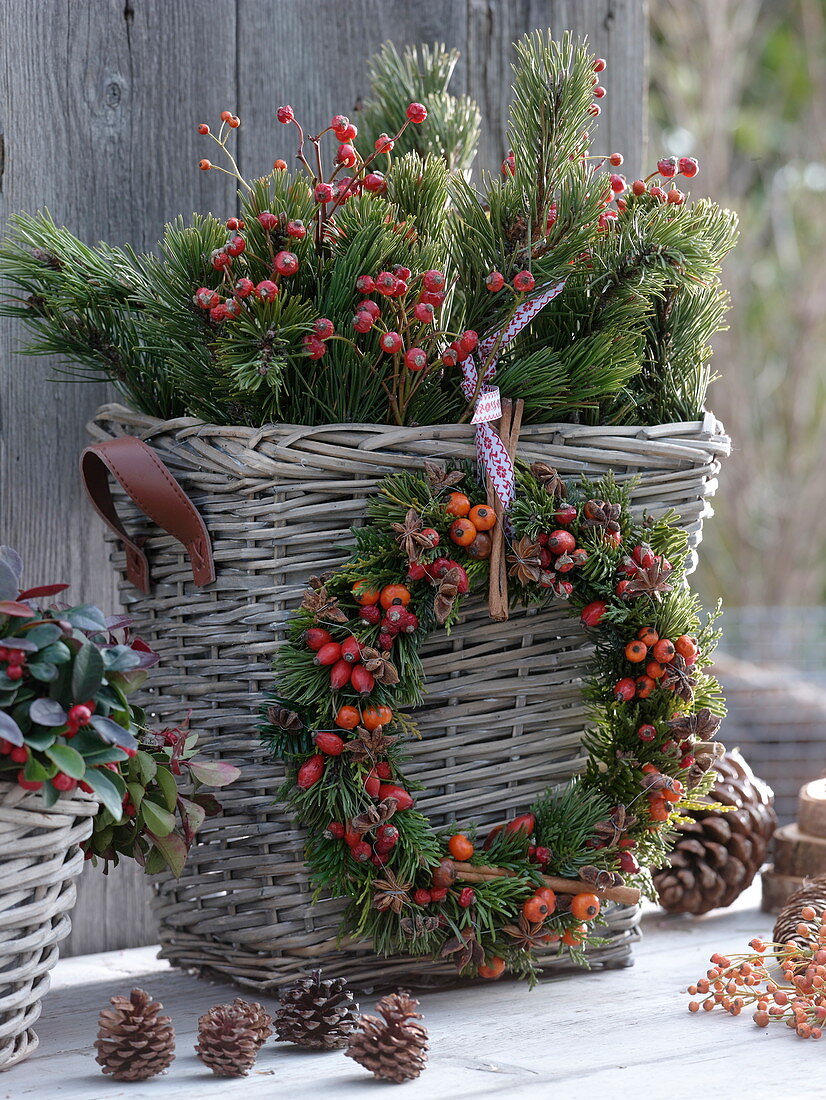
[503, 717]
[40, 858]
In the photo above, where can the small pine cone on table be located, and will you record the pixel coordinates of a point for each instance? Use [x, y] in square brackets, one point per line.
[813, 893]
[134, 1041]
[230, 1036]
[393, 1048]
[717, 855]
[317, 1013]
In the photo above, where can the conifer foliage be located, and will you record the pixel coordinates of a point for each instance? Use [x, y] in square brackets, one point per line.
[342, 290]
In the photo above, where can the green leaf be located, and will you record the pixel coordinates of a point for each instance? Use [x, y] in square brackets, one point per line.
[37, 772]
[9, 729]
[40, 739]
[87, 672]
[174, 850]
[43, 670]
[103, 784]
[128, 681]
[68, 760]
[168, 787]
[215, 773]
[47, 712]
[147, 767]
[114, 734]
[110, 755]
[194, 814]
[44, 634]
[159, 821]
[50, 795]
[155, 862]
[136, 793]
[56, 654]
[86, 617]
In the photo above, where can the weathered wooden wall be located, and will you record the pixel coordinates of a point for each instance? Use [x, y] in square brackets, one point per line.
[98, 105]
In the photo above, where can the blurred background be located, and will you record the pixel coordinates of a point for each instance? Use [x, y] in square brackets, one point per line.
[742, 84]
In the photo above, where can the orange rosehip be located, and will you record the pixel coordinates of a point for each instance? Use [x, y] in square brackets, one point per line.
[365, 596]
[462, 532]
[373, 717]
[460, 847]
[575, 936]
[655, 670]
[482, 517]
[394, 594]
[457, 504]
[548, 896]
[645, 685]
[636, 651]
[686, 647]
[347, 718]
[585, 906]
[648, 635]
[535, 909]
[494, 968]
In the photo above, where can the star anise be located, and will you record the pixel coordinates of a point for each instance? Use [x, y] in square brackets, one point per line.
[679, 679]
[526, 564]
[601, 513]
[464, 950]
[322, 607]
[368, 744]
[650, 581]
[602, 879]
[410, 536]
[414, 927]
[703, 725]
[389, 893]
[439, 477]
[706, 754]
[380, 665]
[283, 718]
[611, 828]
[374, 816]
[318, 582]
[446, 595]
[549, 479]
[527, 935]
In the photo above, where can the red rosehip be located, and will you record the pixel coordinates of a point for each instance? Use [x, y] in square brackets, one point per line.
[218, 313]
[339, 122]
[234, 223]
[375, 183]
[616, 159]
[676, 197]
[243, 288]
[495, 281]
[385, 282]
[205, 166]
[314, 347]
[383, 143]
[422, 897]
[267, 220]
[322, 192]
[432, 297]
[647, 732]
[423, 311]
[417, 113]
[335, 830]
[346, 155]
[561, 542]
[296, 229]
[617, 183]
[468, 341]
[365, 285]
[628, 863]
[667, 167]
[599, 91]
[221, 259]
[285, 114]
[280, 165]
[266, 290]
[438, 893]
[467, 896]
[688, 167]
[346, 133]
[371, 308]
[524, 282]
[593, 613]
[285, 263]
[323, 328]
[600, 64]
[638, 187]
[509, 165]
[624, 690]
[370, 615]
[205, 298]
[236, 245]
[415, 359]
[361, 851]
[450, 357]
[595, 110]
[433, 280]
[657, 193]
[362, 322]
[203, 128]
[390, 342]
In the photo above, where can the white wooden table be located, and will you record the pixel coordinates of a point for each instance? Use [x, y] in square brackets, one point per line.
[613, 1035]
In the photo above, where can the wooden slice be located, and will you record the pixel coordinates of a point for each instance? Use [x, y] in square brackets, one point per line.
[776, 889]
[797, 853]
[811, 810]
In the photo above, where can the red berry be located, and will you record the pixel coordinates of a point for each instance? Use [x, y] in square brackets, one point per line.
[647, 732]
[243, 288]
[322, 192]
[667, 167]
[415, 359]
[79, 715]
[362, 322]
[433, 280]
[561, 542]
[310, 771]
[323, 328]
[628, 863]
[616, 159]
[643, 555]
[676, 197]
[236, 245]
[362, 680]
[267, 220]
[365, 285]
[329, 743]
[423, 312]
[468, 341]
[509, 165]
[339, 122]
[595, 110]
[417, 112]
[205, 166]
[63, 782]
[386, 640]
[221, 259]
[542, 855]
[422, 897]
[438, 893]
[624, 690]
[390, 342]
[19, 754]
[28, 784]
[657, 193]
[203, 128]
[286, 263]
[296, 229]
[617, 183]
[599, 91]
[315, 348]
[600, 64]
[385, 282]
[266, 290]
[467, 897]
[565, 515]
[638, 187]
[387, 836]
[346, 155]
[370, 615]
[346, 133]
[384, 771]
[375, 183]
[524, 282]
[361, 851]
[593, 613]
[285, 114]
[432, 297]
[688, 167]
[495, 281]
[14, 672]
[335, 830]
[403, 797]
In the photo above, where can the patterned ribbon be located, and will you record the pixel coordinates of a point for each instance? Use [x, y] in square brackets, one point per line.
[489, 447]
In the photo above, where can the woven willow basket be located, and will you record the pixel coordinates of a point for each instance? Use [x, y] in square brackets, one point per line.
[503, 717]
[40, 858]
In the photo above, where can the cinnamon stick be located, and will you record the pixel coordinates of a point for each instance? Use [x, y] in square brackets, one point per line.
[625, 895]
[508, 428]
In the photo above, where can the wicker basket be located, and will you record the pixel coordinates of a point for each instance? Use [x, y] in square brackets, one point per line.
[40, 860]
[503, 716]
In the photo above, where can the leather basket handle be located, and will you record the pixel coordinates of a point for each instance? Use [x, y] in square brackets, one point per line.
[150, 486]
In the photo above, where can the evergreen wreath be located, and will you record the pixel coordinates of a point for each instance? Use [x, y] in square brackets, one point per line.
[351, 666]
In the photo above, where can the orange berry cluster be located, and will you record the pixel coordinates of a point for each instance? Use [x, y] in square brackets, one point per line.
[471, 525]
[798, 998]
[657, 653]
[662, 791]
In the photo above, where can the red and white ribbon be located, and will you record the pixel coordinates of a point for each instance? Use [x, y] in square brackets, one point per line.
[489, 447]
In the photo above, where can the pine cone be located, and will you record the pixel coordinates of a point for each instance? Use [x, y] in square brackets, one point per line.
[393, 1048]
[230, 1036]
[134, 1041]
[812, 892]
[717, 855]
[315, 1013]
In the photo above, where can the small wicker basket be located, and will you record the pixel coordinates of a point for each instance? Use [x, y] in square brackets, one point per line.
[503, 716]
[40, 858]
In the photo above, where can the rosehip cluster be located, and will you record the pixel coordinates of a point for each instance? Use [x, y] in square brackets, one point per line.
[662, 791]
[656, 653]
[559, 553]
[667, 168]
[398, 283]
[387, 609]
[642, 559]
[343, 659]
[471, 525]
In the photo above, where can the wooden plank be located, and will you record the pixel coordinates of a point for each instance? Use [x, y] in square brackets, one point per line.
[101, 103]
[620, 1034]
